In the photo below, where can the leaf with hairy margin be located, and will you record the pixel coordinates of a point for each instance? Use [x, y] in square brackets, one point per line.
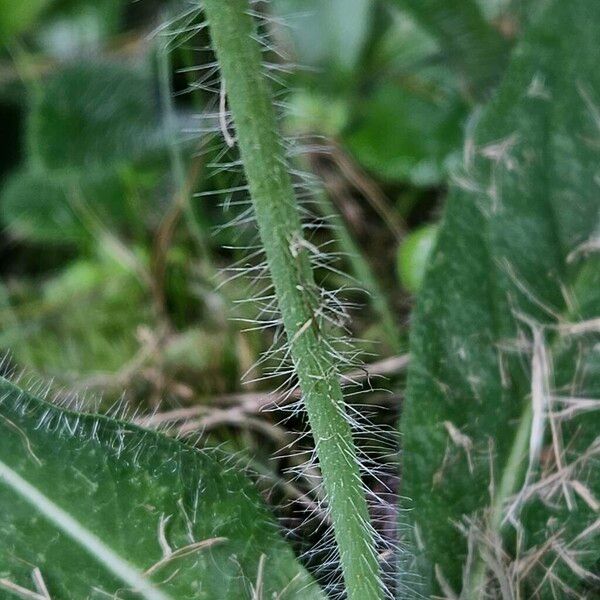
[515, 269]
[93, 502]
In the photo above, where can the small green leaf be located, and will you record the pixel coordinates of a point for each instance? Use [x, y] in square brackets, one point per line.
[413, 256]
[505, 336]
[310, 112]
[100, 506]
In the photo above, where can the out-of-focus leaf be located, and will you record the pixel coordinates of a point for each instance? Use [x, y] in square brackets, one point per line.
[408, 131]
[81, 27]
[413, 256]
[61, 206]
[201, 354]
[327, 34]
[493, 9]
[89, 501]
[16, 17]
[408, 125]
[478, 51]
[511, 290]
[94, 113]
[309, 112]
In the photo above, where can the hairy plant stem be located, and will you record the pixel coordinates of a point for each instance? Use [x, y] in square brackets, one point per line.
[233, 34]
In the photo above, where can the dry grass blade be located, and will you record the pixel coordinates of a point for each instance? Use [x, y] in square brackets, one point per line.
[21, 592]
[183, 552]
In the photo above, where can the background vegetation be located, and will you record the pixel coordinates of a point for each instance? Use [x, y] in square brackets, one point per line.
[114, 250]
[129, 281]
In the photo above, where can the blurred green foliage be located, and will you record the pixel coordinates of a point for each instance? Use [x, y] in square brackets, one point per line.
[110, 259]
[16, 17]
[79, 322]
[94, 114]
[111, 248]
[101, 231]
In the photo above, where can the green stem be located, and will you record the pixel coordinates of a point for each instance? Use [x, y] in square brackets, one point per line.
[233, 35]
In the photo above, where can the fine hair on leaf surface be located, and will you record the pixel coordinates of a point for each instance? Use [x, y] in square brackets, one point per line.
[503, 387]
[101, 507]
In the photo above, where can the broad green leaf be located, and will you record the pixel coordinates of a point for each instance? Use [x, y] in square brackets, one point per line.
[512, 291]
[100, 507]
[94, 113]
[478, 52]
